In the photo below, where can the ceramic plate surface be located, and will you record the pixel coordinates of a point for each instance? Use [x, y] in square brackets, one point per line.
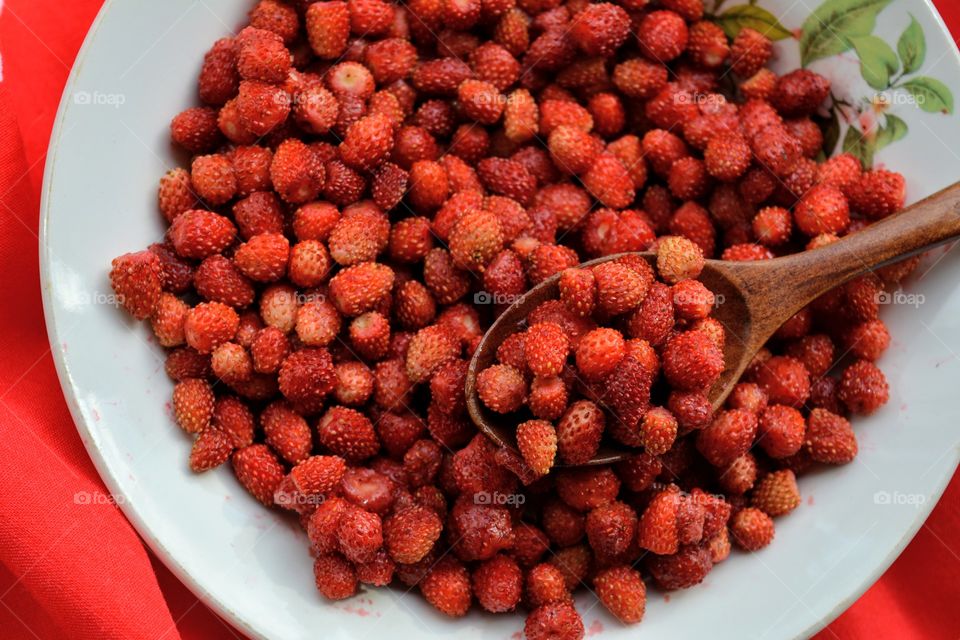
[109, 148]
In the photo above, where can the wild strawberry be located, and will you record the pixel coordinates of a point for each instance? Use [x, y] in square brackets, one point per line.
[277, 17]
[317, 323]
[800, 93]
[692, 361]
[578, 290]
[428, 185]
[507, 178]
[175, 194]
[198, 234]
[829, 438]
[728, 437]
[551, 50]
[258, 470]
[746, 252]
[360, 535]
[611, 528]
[544, 585]
[475, 239]
[307, 376]
[219, 79]
[663, 36]
[842, 172]
[368, 489]
[421, 462]
[572, 149]
[863, 388]
[231, 363]
[684, 569]
[537, 441]
[588, 488]
[750, 51]
[751, 529]
[258, 213]
[707, 46]
[622, 592]
[261, 107]
[388, 186]
[609, 181]
[640, 79]
[658, 431]
[377, 572]
[446, 586]
[776, 493]
[599, 351]
[354, 383]
[430, 348]
[410, 533]
[785, 380]
[877, 194]
[481, 101]
[549, 259]
[600, 29]
[657, 527]
[823, 209]
[211, 449]
[210, 324]
[262, 55]
[328, 27]
[348, 433]
[196, 130]
[359, 237]
[296, 171]
[501, 388]
[193, 404]
[390, 59]
[555, 621]
[727, 156]
[183, 363]
[336, 578]
[692, 300]
[547, 348]
[233, 418]
[315, 221]
[264, 257]
[213, 179]
[359, 288]
[498, 584]
[620, 288]
[368, 142]
[136, 279]
[781, 431]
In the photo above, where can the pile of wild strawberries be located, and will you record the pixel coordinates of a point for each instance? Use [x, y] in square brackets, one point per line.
[362, 171]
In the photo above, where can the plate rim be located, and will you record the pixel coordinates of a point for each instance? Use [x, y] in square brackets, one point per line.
[128, 506]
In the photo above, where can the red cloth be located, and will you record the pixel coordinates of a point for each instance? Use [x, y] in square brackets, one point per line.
[53, 582]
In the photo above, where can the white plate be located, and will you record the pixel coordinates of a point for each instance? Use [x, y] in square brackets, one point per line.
[109, 148]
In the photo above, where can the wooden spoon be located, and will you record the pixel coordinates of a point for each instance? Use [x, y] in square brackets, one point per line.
[757, 297]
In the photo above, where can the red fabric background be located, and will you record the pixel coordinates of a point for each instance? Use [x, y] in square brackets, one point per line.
[53, 582]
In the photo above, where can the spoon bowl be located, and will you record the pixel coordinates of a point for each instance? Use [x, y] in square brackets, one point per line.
[753, 298]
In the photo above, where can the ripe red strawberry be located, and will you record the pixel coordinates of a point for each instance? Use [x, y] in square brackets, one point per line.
[554, 621]
[370, 335]
[537, 441]
[682, 570]
[640, 79]
[196, 130]
[657, 528]
[707, 45]
[359, 237]
[359, 288]
[328, 27]
[348, 433]
[573, 150]
[781, 431]
[446, 586]
[198, 234]
[609, 181]
[622, 592]
[599, 352]
[823, 209]
[410, 533]
[260, 108]
[611, 529]
[233, 418]
[829, 438]
[315, 221]
[359, 534]
[588, 488]
[728, 437]
[877, 194]
[336, 578]
[620, 288]
[175, 194]
[430, 348]
[547, 349]
[548, 397]
[784, 379]
[498, 583]
[662, 35]
[258, 213]
[549, 259]
[551, 50]
[578, 290]
[287, 432]
[658, 430]
[388, 186]
[563, 524]
[727, 156]
[544, 585]
[183, 363]
[193, 403]
[507, 178]
[800, 93]
[231, 363]
[277, 17]
[501, 388]
[600, 29]
[211, 449]
[368, 142]
[306, 377]
[751, 529]
[262, 55]
[258, 470]
[137, 280]
[296, 171]
[210, 324]
[863, 388]
[750, 52]
[574, 563]
[264, 257]
[475, 239]
[691, 361]
[481, 101]
[354, 383]
[776, 493]
[219, 79]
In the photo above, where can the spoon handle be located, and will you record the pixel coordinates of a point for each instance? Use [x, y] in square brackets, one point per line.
[798, 279]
